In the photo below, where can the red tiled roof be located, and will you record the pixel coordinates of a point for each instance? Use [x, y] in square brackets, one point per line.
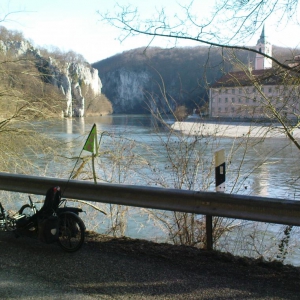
[241, 78]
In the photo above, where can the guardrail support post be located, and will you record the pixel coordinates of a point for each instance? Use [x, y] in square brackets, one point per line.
[209, 238]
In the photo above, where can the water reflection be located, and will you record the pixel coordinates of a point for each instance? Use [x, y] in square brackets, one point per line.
[266, 168]
[255, 167]
[69, 125]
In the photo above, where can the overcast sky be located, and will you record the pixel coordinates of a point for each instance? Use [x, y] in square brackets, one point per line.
[75, 24]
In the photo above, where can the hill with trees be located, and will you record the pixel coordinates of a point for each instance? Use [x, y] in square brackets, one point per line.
[62, 81]
[38, 84]
[153, 78]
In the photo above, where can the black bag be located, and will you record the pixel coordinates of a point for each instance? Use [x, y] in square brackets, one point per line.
[49, 229]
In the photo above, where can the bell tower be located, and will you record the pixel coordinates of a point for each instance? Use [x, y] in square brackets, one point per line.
[264, 47]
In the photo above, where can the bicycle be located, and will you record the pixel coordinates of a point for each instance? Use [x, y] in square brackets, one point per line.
[52, 223]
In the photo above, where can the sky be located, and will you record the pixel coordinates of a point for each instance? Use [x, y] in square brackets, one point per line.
[76, 25]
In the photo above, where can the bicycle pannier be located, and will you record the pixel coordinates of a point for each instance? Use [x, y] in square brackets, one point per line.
[48, 229]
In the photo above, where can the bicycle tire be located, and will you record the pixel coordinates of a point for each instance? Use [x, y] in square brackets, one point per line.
[26, 210]
[71, 232]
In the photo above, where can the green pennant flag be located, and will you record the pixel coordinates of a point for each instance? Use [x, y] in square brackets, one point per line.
[91, 142]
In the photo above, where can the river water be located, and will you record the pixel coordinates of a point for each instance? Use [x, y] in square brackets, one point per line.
[266, 167]
[134, 150]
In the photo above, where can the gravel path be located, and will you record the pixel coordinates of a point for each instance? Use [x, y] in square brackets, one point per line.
[107, 268]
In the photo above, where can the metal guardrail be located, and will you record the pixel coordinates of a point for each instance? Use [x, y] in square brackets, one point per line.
[263, 209]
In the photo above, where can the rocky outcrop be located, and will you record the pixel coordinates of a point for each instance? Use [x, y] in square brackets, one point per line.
[69, 77]
[127, 89]
[139, 91]
[16, 48]
[156, 81]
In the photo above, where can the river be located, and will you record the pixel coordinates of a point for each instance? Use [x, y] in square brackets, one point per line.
[133, 150]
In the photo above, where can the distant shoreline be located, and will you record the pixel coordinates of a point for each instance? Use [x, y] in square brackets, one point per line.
[231, 129]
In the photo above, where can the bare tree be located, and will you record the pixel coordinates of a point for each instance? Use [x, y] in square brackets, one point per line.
[245, 17]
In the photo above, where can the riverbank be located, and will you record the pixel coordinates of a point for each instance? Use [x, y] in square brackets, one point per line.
[231, 129]
[109, 268]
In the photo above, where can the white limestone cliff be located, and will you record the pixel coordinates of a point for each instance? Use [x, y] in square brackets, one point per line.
[69, 77]
[128, 89]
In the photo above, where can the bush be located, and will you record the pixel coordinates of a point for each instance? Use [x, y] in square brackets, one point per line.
[180, 113]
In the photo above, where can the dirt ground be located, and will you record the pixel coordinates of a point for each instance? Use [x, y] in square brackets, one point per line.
[123, 268]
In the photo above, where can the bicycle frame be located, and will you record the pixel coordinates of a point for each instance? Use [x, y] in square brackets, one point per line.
[62, 225]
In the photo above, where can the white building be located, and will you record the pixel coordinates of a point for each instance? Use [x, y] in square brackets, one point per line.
[263, 46]
[254, 93]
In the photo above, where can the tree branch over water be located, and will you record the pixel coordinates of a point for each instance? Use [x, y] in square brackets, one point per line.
[245, 17]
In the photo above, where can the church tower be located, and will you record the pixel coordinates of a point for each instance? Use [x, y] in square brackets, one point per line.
[265, 47]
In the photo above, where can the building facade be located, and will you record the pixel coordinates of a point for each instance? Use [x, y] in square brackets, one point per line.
[254, 93]
[263, 46]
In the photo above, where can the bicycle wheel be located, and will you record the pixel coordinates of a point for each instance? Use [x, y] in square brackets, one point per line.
[26, 210]
[71, 232]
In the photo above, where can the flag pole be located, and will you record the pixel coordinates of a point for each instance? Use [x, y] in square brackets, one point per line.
[92, 146]
[93, 166]
[89, 145]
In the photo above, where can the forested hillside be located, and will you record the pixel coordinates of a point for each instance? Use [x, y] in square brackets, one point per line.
[23, 93]
[38, 84]
[46, 82]
[136, 79]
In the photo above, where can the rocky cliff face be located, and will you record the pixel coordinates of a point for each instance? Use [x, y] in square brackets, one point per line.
[69, 77]
[141, 90]
[158, 81]
[127, 89]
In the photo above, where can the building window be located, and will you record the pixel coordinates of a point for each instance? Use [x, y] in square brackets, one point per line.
[226, 91]
[270, 90]
[247, 100]
[232, 109]
[240, 100]
[233, 91]
[254, 99]
[262, 89]
[232, 100]
[226, 100]
[219, 109]
[220, 100]
[226, 109]
[254, 90]
[213, 100]
[240, 91]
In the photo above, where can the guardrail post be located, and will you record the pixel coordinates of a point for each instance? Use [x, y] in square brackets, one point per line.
[209, 239]
[220, 173]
